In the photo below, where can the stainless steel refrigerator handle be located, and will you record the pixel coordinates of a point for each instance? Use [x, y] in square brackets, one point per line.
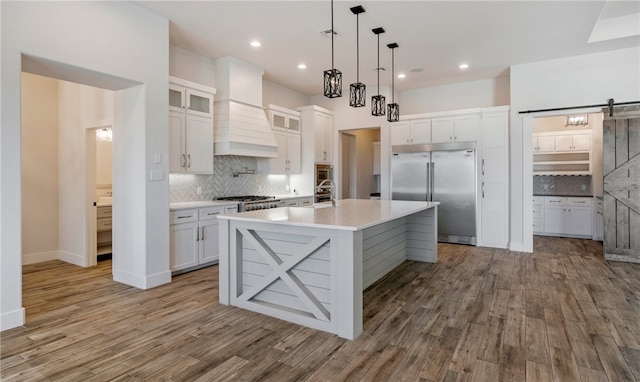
[433, 172]
[428, 199]
[482, 166]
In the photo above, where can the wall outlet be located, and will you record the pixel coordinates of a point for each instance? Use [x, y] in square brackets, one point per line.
[199, 190]
[157, 175]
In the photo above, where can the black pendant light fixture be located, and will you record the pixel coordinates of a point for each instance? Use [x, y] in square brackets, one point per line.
[377, 101]
[332, 77]
[357, 90]
[393, 109]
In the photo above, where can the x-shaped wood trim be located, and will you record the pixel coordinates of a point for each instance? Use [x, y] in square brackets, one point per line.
[283, 270]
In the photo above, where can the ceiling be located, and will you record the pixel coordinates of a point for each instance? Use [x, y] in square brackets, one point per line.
[434, 37]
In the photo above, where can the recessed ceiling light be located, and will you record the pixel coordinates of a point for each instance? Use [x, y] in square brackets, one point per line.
[255, 44]
[302, 66]
[463, 66]
[402, 75]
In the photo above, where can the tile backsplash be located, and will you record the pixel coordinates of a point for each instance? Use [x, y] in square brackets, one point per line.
[562, 185]
[184, 187]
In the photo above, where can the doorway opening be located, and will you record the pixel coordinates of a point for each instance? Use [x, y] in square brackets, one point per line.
[565, 187]
[360, 163]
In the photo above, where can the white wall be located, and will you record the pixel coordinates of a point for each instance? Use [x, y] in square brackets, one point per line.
[39, 168]
[573, 81]
[115, 44]
[103, 162]
[191, 66]
[466, 95]
[275, 94]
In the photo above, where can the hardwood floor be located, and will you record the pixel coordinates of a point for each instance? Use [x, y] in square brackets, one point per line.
[479, 314]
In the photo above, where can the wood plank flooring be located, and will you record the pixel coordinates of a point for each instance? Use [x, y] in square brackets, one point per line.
[479, 314]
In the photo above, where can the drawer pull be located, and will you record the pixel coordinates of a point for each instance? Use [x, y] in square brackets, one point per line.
[184, 216]
[213, 213]
[106, 224]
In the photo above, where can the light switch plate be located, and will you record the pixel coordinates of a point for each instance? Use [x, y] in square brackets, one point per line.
[157, 175]
[157, 158]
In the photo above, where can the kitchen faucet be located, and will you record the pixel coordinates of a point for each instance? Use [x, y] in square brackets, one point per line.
[331, 187]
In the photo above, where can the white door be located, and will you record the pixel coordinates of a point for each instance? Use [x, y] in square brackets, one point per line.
[279, 163]
[582, 142]
[554, 219]
[176, 142]
[294, 153]
[421, 131]
[209, 243]
[465, 128]
[401, 133]
[199, 145]
[441, 130]
[183, 248]
[579, 221]
[546, 144]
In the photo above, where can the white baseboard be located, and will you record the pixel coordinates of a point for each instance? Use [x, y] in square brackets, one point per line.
[38, 257]
[141, 281]
[12, 319]
[72, 258]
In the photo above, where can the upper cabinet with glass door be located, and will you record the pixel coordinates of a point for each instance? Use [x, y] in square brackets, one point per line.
[184, 98]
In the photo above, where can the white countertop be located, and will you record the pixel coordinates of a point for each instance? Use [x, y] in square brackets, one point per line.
[200, 204]
[349, 214]
[292, 196]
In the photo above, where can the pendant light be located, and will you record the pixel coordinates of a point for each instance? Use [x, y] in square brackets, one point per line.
[377, 101]
[357, 90]
[332, 77]
[393, 109]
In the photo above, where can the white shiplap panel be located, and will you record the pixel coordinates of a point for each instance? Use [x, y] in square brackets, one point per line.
[279, 286]
[309, 265]
[283, 300]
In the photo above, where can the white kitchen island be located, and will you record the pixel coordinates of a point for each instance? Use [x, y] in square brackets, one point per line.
[310, 265]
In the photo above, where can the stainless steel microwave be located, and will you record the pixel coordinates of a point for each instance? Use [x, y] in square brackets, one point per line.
[323, 172]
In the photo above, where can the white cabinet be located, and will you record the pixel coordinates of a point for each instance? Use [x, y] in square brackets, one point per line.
[103, 230]
[577, 142]
[194, 236]
[562, 153]
[570, 216]
[544, 144]
[494, 177]
[538, 214]
[324, 138]
[461, 128]
[376, 158]
[190, 127]
[302, 201]
[286, 129]
[417, 131]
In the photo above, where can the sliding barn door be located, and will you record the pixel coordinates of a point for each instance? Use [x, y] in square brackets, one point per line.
[621, 138]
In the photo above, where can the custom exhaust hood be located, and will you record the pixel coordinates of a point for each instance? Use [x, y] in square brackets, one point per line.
[241, 126]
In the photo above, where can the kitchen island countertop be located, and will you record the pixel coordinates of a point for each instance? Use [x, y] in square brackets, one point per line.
[349, 214]
[199, 204]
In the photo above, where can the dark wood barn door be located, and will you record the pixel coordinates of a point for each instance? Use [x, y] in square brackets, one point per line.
[621, 138]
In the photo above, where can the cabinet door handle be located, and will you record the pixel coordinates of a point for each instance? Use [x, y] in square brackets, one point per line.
[197, 234]
[183, 161]
[483, 190]
[483, 166]
[188, 160]
[202, 234]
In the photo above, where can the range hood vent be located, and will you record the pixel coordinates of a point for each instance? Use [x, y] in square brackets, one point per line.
[242, 129]
[241, 126]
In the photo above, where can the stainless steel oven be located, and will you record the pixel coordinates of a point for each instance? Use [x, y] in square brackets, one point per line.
[323, 172]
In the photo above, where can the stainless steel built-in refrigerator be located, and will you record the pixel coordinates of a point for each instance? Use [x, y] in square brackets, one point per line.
[444, 173]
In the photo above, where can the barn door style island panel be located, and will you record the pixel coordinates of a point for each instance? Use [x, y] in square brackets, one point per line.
[309, 265]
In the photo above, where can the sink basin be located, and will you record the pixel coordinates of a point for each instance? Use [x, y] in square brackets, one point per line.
[105, 199]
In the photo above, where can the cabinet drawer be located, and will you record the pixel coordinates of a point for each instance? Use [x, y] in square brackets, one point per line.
[211, 212]
[306, 202]
[183, 216]
[554, 201]
[103, 224]
[292, 203]
[580, 201]
[103, 212]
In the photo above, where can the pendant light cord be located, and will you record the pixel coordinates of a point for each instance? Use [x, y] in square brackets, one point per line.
[378, 69]
[358, 48]
[332, 32]
[393, 60]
